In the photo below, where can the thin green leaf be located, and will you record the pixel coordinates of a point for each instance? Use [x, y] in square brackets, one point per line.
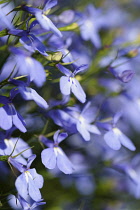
[4, 1]
[70, 27]
[4, 32]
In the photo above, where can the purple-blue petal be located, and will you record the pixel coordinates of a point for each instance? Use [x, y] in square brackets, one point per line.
[49, 4]
[61, 137]
[30, 160]
[47, 24]
[19, 122]
[83, 131]
[65, 85]
[93, 129]
[38, 179]
[5, 119]
[29, 66]
[112, 140]
[16, 164]
[34, 191]
[63, 163]
[78, 91]
[126, 142]
[31, 94]
[49, 158]
[64, 70]
[21, 186]
[38, 45]
[80, 68]
[55, 137]
[31, 10]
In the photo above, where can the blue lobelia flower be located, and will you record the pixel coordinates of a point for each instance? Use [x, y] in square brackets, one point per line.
[54, 155]
[84, 119]
[43, 20]
[29, 182]
[130, 168]
[69, 84]
[114, 137]
[84, 126]
[14, 147]
[9, 116]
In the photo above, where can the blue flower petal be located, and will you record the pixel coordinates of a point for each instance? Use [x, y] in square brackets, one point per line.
[38, 179]
[5, 119]
[31, 94]
[61, 137]
[63, 162]
[30, 160]
[93, 129]
[64, 70]
[49, 4]
[83, 131]
[126, 142]
[21, 185]
[38, 45]
[112, 140]
[78, 91]
[47, 24]
[55, 137]
[34, 192]
[80, 68]
[65, 85]
[19, 122]
[49, 158]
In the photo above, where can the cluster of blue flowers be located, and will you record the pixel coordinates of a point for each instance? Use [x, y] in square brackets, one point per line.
[86, 90]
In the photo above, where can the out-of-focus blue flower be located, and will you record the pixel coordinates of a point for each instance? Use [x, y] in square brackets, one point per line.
[54, 155]
[5, 20]
[43, 20]
[73, 120]
[85, 184]
[124, 76]
[122, 70]
[90, 24]
[131, 170]
[9, 116]
[84, 120]
[66, 17]
[69, 84]
[29, 182]
[23, 64]
[121, 67]
[130, 100]
[114, 138]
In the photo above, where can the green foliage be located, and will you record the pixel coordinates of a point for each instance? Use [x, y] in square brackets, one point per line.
[4, 32]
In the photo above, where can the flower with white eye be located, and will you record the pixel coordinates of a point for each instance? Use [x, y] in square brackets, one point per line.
[69, 84]
[54, 155]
